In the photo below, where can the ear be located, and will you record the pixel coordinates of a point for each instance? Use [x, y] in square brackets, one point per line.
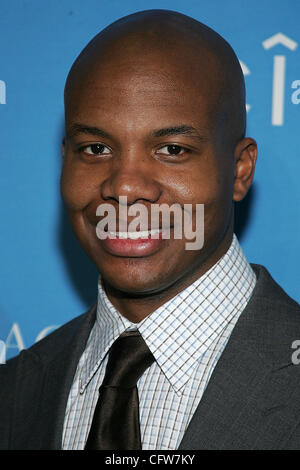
[245, 159]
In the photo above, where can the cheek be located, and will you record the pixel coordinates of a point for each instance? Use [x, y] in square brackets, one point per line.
[212, 187]
[206, 185]
[77, 188]
[218, 208]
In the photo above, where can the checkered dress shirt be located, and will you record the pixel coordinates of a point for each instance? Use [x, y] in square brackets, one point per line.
[186, 335]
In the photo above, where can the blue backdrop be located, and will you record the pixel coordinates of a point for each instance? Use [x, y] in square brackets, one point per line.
[45, 278]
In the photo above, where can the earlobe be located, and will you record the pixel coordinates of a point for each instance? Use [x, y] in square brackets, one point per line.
[245, 160]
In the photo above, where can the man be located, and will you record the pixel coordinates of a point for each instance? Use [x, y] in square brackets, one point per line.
[155, 114]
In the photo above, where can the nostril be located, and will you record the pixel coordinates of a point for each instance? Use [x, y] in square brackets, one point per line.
[135, 187]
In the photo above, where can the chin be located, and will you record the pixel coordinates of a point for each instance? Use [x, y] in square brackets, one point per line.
[133, 281]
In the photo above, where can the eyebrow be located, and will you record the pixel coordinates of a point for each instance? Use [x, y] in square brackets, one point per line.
[180, 130]
[183, 129]
[84, 129]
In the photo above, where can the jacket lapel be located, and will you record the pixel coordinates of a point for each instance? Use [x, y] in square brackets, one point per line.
[230, 414]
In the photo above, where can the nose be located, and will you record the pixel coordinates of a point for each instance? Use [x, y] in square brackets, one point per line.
[131, 176]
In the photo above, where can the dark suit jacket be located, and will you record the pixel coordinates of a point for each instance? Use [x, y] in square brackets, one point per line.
[251, 402]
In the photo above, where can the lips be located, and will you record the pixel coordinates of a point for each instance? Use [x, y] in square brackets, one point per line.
[133, 244]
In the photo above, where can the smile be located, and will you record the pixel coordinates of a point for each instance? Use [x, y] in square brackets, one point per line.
[134, 235]
[133, 243]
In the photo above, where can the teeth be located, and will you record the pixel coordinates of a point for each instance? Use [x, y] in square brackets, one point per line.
[135, 235]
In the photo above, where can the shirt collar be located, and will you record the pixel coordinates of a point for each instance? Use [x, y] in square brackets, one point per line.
[179, 332]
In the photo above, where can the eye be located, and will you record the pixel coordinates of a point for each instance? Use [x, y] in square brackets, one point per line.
[95, 149]
[172, 149]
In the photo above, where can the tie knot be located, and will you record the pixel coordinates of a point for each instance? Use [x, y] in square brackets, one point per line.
[129, 357]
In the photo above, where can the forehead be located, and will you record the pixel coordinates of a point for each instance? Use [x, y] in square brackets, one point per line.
[157, 82]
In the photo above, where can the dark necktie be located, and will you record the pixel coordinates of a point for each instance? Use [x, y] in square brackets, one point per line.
[116, 424]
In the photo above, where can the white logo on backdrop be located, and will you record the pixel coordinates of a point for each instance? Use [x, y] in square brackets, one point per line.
[296, 95]
[15, 342]
[279, 68]
[246, 71]
[2, 92]
[2, 352]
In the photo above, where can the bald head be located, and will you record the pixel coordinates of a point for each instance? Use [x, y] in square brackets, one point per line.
[174, 44]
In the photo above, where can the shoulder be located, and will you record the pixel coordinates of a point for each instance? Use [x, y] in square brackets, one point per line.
[40, 373]
[271, 321]
[268, 292]
[73, 332]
